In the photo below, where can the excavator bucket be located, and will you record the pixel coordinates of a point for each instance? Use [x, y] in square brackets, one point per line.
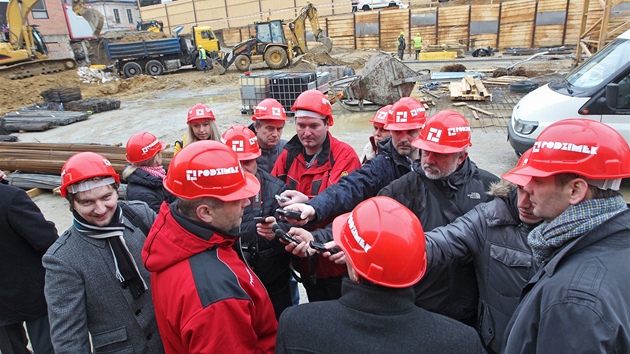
[327, 42]
[95, 20]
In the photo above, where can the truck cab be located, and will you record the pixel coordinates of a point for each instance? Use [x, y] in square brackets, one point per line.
[598, 89]
[204, 36]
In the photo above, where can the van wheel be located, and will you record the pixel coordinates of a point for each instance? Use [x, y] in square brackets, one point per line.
[366, 8]
[524, 86]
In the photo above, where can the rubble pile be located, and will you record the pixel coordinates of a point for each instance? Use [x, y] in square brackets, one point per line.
[95, 76]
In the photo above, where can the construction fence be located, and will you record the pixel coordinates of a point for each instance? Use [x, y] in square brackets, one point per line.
[507, 24]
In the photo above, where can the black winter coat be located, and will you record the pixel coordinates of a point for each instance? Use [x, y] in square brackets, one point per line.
[372, 319]
[268, 157]
[267, 258]
[450, 290]
[24, 239]
[495, 238]
[145, 187]
[361, 184]
[579, 302]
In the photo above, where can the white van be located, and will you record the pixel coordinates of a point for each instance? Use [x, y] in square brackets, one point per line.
[367, 5]
[598, 89]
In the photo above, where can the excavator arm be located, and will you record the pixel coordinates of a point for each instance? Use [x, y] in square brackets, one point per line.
[298, 29]
[93, 17]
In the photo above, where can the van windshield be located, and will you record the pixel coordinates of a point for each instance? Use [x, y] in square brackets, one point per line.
[601, 65]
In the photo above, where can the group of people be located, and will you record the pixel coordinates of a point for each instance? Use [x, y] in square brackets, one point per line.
[410, 248]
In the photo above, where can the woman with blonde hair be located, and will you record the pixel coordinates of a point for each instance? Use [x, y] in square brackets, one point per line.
[201, 126]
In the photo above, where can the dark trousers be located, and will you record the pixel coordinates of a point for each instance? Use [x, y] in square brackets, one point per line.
[417, 52]
[279, 292]
[401, 52]
[13, 338]
[324, 289]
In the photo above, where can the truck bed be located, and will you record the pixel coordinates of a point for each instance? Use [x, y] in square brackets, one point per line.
[143, 49]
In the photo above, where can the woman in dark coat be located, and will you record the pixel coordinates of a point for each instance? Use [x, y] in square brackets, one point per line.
[145, 173]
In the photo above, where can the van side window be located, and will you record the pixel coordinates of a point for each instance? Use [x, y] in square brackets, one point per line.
[623, 100]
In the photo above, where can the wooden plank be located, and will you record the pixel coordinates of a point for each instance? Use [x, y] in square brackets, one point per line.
[475, 115]
[34, 192]
[459, 104]
[480, 110]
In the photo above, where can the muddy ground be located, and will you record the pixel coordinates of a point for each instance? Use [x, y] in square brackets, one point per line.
[159, 105]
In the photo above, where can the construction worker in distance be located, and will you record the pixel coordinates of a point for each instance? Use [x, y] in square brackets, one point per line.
[378, 134]
[206, 299]
[444, 185]
[384, 248]
[269, 120]
[201, 126]
[144, 174]
[417, 44]
[395, 156]
[401, 45]
[312, 161]
[579, 300]
[202, 59]
[266, 257]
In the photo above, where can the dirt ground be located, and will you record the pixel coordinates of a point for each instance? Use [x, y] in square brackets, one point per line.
[159, 105]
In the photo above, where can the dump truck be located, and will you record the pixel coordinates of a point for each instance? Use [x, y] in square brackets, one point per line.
[159, 56]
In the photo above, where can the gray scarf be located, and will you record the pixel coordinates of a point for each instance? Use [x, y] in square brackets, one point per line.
[577, 220]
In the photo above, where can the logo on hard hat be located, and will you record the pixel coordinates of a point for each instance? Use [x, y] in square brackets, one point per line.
[401, 117]
[453, 131]
[355, 234]
[237, 145]
[434, 135]
[381, 115]
[556, 145]
[416, 111]
[148, 147]
[199, 111]
[275, 111]
[192, 175]
[253, 140]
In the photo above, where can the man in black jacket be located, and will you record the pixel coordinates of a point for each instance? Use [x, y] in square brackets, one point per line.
[384, 247]
[269, 121]
[579, 300]
[266, 257]
[26, 236]
[443, 185]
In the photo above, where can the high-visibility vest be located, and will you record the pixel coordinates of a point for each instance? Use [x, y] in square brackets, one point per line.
[202, 54]
[417, 42]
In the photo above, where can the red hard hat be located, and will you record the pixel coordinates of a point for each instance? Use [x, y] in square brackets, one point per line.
[582, 146]
[199, 111]
[406, 114]
[378, 247]
[381, 115]
[314, 101]
[143, 146]
[208, 168]
[446, 132]
[243, 141]
[271, 109]
[85, 165]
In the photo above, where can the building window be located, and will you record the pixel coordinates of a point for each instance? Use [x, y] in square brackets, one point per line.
[116, 16]
[39, 10]
[129, 16]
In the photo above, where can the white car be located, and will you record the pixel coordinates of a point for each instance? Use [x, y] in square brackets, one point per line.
[367, 5]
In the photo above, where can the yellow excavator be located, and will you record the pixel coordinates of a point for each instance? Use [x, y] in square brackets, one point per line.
[24, 53]
[93, 17]
[298, 30]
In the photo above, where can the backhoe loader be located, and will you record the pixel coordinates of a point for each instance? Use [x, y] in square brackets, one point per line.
[298, 30]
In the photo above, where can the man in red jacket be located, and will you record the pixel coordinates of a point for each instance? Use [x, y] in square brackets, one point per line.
[311, 161]
[206, 299]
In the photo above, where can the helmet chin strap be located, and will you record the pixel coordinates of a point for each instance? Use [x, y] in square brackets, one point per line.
[90, 184]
